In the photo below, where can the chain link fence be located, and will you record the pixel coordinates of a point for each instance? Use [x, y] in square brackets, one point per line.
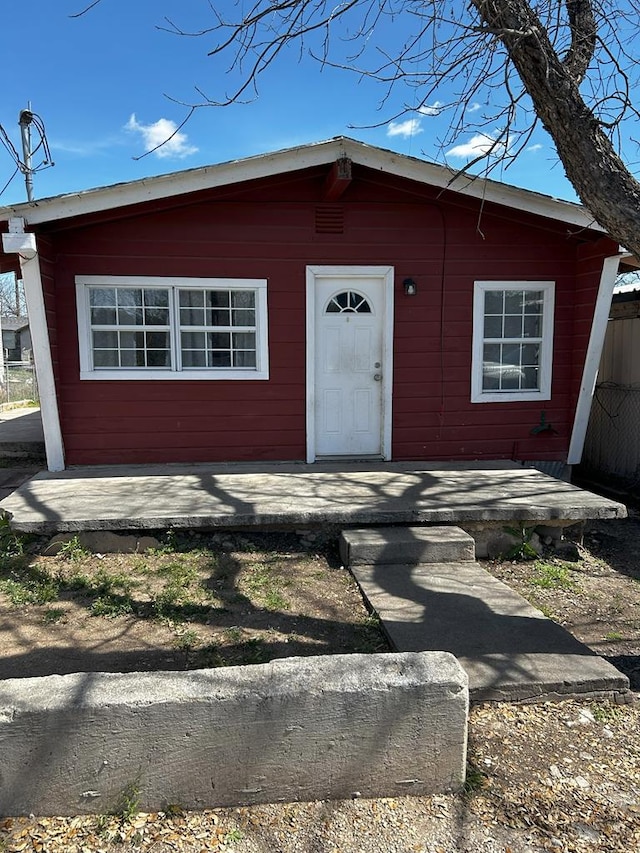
[612, 445]
[18, 383]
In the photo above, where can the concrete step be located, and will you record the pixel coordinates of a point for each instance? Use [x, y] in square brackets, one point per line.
[409, 545]
[510, 651]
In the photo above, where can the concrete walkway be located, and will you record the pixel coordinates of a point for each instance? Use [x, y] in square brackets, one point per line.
[254, 495]
[509, 650]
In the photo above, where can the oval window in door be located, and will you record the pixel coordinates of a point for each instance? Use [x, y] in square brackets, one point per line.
[348, 302]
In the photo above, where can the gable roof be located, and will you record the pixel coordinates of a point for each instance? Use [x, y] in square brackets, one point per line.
[13, 324]
[292, 159]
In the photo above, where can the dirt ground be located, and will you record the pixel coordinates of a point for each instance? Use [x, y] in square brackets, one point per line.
[192, 602]
[551, 777]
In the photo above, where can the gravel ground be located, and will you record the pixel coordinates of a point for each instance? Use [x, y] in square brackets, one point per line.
[558, 777]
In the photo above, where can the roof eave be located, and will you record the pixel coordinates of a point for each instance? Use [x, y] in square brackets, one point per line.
[294, 159]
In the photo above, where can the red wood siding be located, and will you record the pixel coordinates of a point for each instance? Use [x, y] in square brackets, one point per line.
[268, 230]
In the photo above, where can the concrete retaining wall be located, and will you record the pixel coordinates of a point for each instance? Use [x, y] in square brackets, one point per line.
[296, 729]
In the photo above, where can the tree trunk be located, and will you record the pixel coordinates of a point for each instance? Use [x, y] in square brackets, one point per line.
[600, 178]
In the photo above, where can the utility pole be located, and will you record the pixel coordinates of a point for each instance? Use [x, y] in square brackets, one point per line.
[24, 120]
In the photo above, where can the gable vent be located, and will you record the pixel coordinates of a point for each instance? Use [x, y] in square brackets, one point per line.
[329, 219]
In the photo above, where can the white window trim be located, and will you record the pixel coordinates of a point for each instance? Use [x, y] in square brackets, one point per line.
[185, 374]
[546, 346]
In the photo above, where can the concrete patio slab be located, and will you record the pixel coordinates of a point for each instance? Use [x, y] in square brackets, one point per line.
[254, 495]
[509, 650]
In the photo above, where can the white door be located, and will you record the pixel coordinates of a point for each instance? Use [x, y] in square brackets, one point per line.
[351, 370]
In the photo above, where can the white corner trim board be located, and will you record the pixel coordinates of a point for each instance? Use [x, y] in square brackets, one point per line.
[608, 277]
[25, 246]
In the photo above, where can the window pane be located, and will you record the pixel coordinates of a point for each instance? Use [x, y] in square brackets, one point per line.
[103, 316]
[218, 298]
[131, 358]
[244, 358]
[531, 354]
[192, 298]
[158, 358]
[131, 340]
[492, 352]
[158, 340]
[219, 317]
[192, 316]
[513, 301]
[105, 358]
[243, 299]
[130, 316]
[493, 301]
[493, 327]
[129, 296]
[156, 298]
[194, 358]
[244, 340]
[219, 340]
[193, 340]
[156, 316]
[532, 326]
[102, 296]
[512, 327]
[534, 301]
[244, 318]
[219, 359]
[105, 340]
[530, 378]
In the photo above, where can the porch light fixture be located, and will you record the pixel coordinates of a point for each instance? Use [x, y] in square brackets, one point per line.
[410, 287]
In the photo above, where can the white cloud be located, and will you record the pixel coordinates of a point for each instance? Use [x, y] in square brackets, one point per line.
[536, 147]
[407, 128]
[162, 131]
[431, 109]
[475, 106]
[477, 146]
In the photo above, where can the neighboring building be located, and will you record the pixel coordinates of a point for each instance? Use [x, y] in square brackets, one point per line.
[330, 301]
[16, 339]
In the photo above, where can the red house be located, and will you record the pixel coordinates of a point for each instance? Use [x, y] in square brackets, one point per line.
[329, 301]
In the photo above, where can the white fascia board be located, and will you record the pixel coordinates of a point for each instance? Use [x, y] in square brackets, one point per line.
[295, 159]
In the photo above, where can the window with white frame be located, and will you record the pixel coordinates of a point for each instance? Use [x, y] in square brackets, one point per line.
[512, 341]
[132, 327]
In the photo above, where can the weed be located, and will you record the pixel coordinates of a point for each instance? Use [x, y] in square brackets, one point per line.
[52, 615]
[112, 605]
[105, 582]
[11, 545]
[262, 581]
[546, 611]
[76, 582]
[605, 712]
[613, 636]
[173, 810]
[475, 781]
[370, 636]
[187, 640]
[233, 836]
[552, 576]
[128, 803]
[523, 549]
[73, 550]
[234, 634]
[274, 600]
[256, 651]
[29, 586]
[209, 656]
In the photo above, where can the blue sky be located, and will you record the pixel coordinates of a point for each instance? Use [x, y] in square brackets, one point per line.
[100, 83]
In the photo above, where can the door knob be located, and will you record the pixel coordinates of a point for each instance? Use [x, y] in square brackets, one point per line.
[377, 377]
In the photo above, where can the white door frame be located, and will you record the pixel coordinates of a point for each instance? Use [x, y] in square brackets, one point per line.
[386, 274]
